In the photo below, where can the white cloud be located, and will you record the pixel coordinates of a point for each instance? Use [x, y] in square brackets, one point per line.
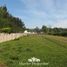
[61, 23]
[42, 11]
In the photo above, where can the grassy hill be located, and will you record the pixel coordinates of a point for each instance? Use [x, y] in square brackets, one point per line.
[49, 49]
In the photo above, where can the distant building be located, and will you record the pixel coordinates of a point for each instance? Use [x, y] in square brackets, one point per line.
[25, 31]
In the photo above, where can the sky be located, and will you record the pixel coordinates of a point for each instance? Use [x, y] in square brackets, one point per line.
[34, 13]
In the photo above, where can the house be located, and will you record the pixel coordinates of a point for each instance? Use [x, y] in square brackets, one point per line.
[26, 32]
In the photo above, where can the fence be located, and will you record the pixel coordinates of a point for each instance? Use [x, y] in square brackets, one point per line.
[6, 37]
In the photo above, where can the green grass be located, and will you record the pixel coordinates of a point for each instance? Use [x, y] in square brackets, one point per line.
[49, 49]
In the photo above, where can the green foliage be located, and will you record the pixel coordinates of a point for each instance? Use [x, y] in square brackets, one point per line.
[54, 31]
[7, 20]
[44, 29]
[6, 30]
[37, 30]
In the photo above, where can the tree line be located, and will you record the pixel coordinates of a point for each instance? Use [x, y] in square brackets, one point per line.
[9, 23]
[51, 31]
[54, 31]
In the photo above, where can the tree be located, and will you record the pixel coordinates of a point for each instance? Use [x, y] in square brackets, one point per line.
[37, 30]
[8, 21]
[44, 29]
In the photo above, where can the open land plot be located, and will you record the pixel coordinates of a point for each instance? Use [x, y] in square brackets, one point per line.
[49, 49]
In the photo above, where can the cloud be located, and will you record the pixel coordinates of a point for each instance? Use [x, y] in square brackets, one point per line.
[39, 12]
[61, 23]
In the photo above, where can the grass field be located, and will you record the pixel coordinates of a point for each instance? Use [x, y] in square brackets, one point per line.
[49, 49]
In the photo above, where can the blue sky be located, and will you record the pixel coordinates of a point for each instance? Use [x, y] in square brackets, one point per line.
[39, 12]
